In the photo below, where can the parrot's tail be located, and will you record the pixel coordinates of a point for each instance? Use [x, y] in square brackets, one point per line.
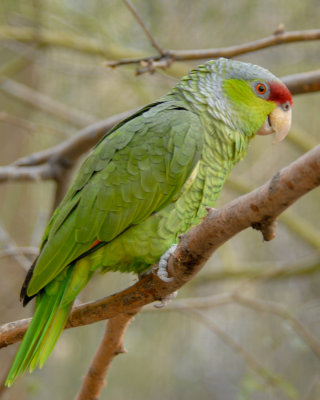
[50, 317]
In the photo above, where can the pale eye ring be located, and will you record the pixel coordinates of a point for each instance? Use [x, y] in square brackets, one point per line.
[261, 89]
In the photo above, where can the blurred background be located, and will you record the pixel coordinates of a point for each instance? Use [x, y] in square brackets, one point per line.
[226, 352]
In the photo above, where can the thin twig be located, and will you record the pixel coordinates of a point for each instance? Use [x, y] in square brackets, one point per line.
[280, 311]
[110, 346]
[14, 251]
[209, 302]
[255, 365]
[12, 247]
[152, 39]
[261, 271]
[30, 127]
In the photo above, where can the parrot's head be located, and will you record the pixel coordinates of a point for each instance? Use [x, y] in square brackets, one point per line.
[245, 97]
[262, 102]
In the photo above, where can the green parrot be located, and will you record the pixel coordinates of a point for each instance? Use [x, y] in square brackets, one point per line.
[147, 181]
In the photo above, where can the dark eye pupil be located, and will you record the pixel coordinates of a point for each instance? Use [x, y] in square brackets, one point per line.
[261, 88]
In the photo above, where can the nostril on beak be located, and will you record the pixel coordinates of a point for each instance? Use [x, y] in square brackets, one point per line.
[286, 106]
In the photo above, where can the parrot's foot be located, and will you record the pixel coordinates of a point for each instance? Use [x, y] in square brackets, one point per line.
[163, 263]
[166, 300]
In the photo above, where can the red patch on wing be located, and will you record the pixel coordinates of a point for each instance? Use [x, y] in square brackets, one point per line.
[94, 244]
[279, 93]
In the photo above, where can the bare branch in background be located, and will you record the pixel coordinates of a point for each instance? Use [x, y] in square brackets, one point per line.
[30, 127]
[71, 149]
[270, 378]
[264, 204]
[110, 346]
[32, 173]
[45, 103]
[57, 38]
[261, 272]
[152, 39]
[13, 250]
[228, 52]
[306, 82]
[202, 303]
[280, 311]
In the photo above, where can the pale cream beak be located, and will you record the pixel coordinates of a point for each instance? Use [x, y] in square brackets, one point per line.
[278, 122]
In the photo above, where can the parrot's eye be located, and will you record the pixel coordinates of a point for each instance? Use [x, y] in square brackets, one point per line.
[261, 88]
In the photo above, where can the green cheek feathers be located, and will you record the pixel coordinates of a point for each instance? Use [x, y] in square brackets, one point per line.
[247, 106]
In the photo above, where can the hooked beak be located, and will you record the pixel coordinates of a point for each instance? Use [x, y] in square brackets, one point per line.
[278, 122]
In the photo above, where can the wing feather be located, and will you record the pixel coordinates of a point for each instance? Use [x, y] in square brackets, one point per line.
[136, 170]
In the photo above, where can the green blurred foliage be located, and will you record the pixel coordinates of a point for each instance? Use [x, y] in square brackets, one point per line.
[170, 355]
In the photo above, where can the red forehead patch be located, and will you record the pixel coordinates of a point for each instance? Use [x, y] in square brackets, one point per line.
[279, 93]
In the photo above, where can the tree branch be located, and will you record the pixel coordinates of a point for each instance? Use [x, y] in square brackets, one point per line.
[45, 103]
[258, 208]
[201, 303]
[13, 250]
[261, 271]
[297, 225]
[306, 82]
[30, 173]
[51, 163]
[64, 40]
[110, 346]
[152, 39]
[269, 377]
[71, 149]
[276, 39]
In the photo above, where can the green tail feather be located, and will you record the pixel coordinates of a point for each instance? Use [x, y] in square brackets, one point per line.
[46, 326]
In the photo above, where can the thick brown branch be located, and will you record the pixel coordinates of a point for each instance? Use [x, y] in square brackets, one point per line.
[306, 82]
[110, 346]
[263, 204]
